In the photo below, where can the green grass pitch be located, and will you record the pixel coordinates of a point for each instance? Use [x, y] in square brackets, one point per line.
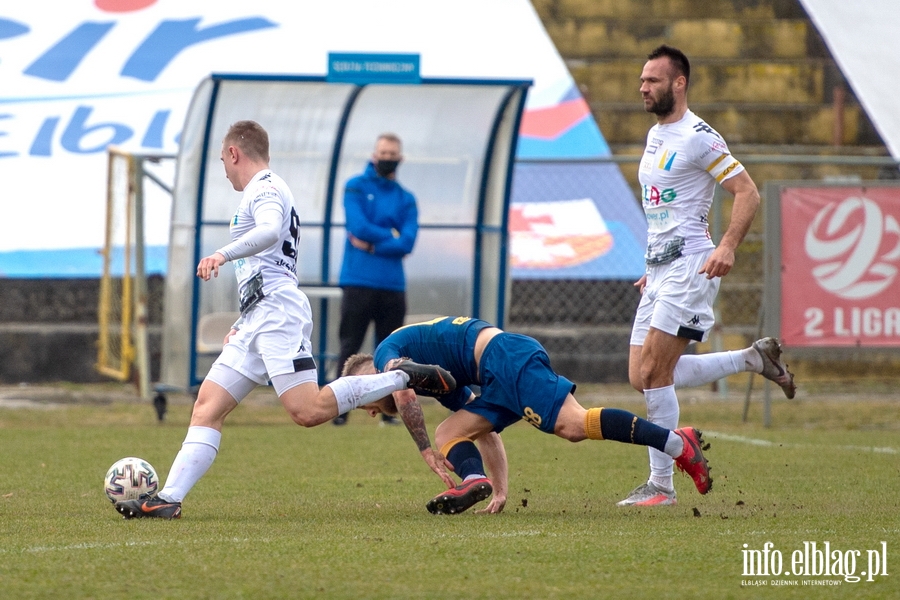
[340, 512]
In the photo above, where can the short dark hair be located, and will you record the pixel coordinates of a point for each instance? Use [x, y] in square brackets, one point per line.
[390, 137]
[679, 61]
[251, 138]
[354, 364]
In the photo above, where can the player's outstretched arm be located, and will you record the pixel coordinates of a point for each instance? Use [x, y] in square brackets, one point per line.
[494, 455]
[411, 412]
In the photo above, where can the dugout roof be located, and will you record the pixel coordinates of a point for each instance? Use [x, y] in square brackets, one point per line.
[459, 139]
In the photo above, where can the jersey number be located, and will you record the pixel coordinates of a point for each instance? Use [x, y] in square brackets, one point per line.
[289, 247]
[532, 417]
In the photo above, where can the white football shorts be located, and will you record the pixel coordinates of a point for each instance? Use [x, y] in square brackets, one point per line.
[677, 300]
[274, 339]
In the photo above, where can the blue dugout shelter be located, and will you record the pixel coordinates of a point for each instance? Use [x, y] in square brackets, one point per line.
[459, 140]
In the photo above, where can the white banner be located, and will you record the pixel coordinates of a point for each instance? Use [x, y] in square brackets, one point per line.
[79, 75]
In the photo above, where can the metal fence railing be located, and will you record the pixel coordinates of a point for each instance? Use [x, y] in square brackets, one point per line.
[585, 324]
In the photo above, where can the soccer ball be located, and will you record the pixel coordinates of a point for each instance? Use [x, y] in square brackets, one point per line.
[130, 479]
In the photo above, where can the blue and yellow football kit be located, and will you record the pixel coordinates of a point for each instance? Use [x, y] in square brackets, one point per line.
[514, 376]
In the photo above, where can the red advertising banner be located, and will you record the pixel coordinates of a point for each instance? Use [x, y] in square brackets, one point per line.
[840, 266]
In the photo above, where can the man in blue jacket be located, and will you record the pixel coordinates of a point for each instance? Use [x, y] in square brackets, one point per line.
[382, 224]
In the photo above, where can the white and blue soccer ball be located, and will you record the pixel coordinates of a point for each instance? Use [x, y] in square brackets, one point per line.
[130, 478]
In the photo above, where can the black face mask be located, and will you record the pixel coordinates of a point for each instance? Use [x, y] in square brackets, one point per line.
[386, 167]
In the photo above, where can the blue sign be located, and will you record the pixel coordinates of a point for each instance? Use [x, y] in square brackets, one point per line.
[373, 68]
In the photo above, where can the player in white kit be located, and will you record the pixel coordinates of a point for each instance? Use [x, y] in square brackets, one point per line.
[683, 161]
[271, 340]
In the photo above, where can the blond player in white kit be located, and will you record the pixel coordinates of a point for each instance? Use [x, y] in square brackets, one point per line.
[683, 161]
[271, 340]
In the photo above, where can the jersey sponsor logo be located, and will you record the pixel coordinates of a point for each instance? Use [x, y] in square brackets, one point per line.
[253, 292]
[719, 147]
[660, 218]
[654, 145]
[669, 252]
[666, 160]
[292, 267]
[653, 196]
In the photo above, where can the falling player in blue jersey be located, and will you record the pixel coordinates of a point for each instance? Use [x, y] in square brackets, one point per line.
[516, 382]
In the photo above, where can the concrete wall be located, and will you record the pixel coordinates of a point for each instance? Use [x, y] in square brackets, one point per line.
[49, 329]
[760, 71]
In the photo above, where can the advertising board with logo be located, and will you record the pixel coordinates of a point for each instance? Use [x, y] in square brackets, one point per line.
[840, 266]
[81, 75]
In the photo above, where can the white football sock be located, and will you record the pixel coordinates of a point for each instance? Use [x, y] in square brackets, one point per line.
[198, 451]
[674, 445]
[359, 390]
[752, 360]
[692, 370]
[662, 409]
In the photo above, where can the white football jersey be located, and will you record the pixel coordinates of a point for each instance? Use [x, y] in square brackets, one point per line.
[275, 266]
[679, 170]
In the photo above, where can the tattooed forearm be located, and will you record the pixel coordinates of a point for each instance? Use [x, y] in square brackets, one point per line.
[412, 416]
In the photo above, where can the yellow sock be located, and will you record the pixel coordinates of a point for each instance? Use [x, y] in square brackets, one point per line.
[446, 447]
[592, 424]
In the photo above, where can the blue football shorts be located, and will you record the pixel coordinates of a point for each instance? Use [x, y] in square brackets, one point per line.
[518, 383]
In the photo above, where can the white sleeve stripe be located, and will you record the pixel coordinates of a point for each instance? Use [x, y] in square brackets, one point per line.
[733, 168]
